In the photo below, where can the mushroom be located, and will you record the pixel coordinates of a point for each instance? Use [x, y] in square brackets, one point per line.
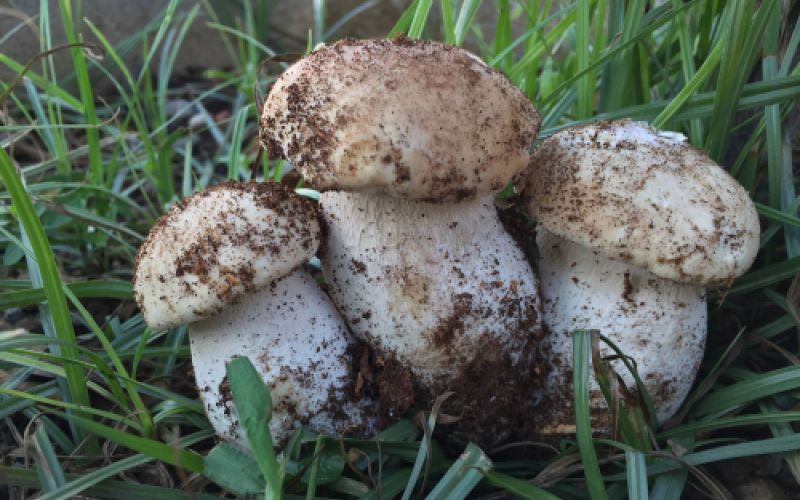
[228, 260]
[415, 137]
[634, 226]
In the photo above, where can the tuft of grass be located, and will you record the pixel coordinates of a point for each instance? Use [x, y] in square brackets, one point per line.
[93, 393]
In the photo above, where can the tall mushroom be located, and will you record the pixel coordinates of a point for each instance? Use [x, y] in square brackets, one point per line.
[228, 260]
[415, 137]
[634, 226]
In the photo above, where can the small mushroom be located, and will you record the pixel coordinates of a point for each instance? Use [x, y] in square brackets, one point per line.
[416, 136]
[635, 225]
[228, 260]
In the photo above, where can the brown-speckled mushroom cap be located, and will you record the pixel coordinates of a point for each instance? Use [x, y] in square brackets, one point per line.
[408, 118]
[211, 248]
[645, 197]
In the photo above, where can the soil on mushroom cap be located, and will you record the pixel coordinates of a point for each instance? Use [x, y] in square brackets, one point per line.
[199, 258]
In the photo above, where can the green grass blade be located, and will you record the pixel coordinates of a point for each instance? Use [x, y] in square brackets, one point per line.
[584, 83]
[422, 456]
[463, 476]
[109, 289]
[96, 172]
[754, 388]
[669, 485]
[13, 340]
[320, 14]
[50, 88]
[683, 26]
[88, 480]
[741, 48]
[731, 422]
[237, 161]
[752, 448]
[69, 406]
[402, 25]
[466, 15]
[699, 78]
[133, 393]
[777, 215]
[637, 475]
[420, 18]
[97, 483]
[581, 351]
[780, 429]
[502, 37]
[175, 455]
[517, 487]
[51, 282]
[766, 276]
[48, 468]
[448, 26]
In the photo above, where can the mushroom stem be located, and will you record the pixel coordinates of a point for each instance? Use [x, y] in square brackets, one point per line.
[442, 289]
[659, 323]
[296, 339]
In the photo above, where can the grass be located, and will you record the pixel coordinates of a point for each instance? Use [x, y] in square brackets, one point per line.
[101, 403]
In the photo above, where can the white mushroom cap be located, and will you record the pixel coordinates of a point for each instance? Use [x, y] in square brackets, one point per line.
[407, 118]
[211, 248]
[645, 197]
[659, 323]
[297, 341]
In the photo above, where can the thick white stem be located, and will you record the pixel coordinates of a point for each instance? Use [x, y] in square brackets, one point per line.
[659, 323]
[294, 336]
[441, 288]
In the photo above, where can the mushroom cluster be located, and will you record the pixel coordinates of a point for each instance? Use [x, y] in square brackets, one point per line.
[409, 142]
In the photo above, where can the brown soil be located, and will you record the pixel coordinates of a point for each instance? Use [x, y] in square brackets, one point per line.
[492, 397]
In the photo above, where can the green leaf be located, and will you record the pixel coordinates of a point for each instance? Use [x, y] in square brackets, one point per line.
[233, 470]
[328, 465]
[254, 406]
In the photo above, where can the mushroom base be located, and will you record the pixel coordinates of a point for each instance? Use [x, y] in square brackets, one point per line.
[481, 404]
[659, 323]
